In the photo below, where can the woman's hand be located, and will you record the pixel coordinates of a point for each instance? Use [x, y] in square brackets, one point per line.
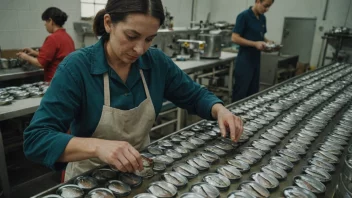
[29, 51]
[119, 154]
[23, 56]
[260, 45]
[227, 122]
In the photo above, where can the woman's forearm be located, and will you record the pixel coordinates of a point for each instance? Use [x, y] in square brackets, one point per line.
[80, 149]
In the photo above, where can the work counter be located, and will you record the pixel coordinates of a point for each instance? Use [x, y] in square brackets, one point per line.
[318, 98]
[18, 73]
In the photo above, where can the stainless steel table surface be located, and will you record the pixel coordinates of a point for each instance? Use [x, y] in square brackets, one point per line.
[190, 66]
[27, 106]
[16, 73]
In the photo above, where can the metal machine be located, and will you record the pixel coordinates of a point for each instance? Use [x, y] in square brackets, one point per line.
[190, 49]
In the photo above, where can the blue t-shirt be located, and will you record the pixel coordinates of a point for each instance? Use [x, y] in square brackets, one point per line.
[75, 98]
[250, 27]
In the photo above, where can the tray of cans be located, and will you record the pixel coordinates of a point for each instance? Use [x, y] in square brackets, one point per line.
[294, 137]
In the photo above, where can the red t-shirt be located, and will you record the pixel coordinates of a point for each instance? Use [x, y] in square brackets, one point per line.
[55, 48]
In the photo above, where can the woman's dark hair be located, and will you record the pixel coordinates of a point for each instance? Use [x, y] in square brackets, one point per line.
[58, 16]
[119, 9]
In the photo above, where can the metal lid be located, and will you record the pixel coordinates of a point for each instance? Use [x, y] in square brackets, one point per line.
[248, 159]
[130, 179]
[296, 148]
[196, 141]
[217, 180]
[145, 195]
[162, 189]
[215, 150]
[275, 171]
[275, 133]
[289, 154]
[231, 172]
[191, 195]
[239, 194]
[159, 166]
[104, 174]
[155, 150]
[260, 146]
[251, 153]
[164, 158]
[188, 133]
[50, 196]
[204, 136]
[281, 162]
[309, 183]
[197, 128]
[166, 143]
[318, 173]
[70, 191]
[186, 170]
[321, 163]
[188, 145]
[174, 178]
[270, 137]
[182, 150]
[86, 182]
[239, 164]
[119, 188]
[209, 157]
[254, 189]
[266, 180]
[279, 129]
[297, 192]
[224, 146]
[173, 154]
[205, 190]
[198, 163]
[326, 156]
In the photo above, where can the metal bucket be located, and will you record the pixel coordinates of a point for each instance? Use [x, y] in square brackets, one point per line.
[343, 188]
[347, 167]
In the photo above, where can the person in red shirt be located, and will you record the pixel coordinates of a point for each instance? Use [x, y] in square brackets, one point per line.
[56, 46]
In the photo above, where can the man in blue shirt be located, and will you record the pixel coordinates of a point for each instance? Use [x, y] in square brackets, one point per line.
[249, 32]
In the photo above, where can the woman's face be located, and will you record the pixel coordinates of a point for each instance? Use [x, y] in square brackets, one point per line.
[49, 25]
[263, 5]
[131, 38]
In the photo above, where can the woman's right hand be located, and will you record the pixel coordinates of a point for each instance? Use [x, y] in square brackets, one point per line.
[260, 45]
[29, 51]
[120, 154]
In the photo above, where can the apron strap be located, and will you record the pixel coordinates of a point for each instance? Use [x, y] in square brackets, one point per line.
[144, 84]
[106, 90]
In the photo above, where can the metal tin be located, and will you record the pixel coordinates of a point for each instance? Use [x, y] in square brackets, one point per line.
[148, 165]
[197, 128]
[254, 189]
[224, 146]
[130, 179]
[252, 154]
[326, 156]
[219, 181]
[243, 138]
[174, 178]
[347, 167]
[306, 137]
[204, 137]
[229, 141]
[329, 149]
[199, 164]
[215, 150]
[119, 188]
[239, 194]
[209, 157]
[309, 133]
[249, 160]
[266, 142]
[191, 195]
[281, 130]
[318, 173]
[261, 146]
[333, 145]
[321, 163]
[188, 133]
[205, 190]
[176, 139]
[100, 192]
[290, 155]
[182, 150]
[155, 150]
[186, 170]
[252, 149]
[239, 164]
[164, 158]
[275, 133]
[266, 180]
[173, 154]
[188, 145]
[52, 196]
[166, 144]
[86, 183]
[70, 191]
[145, 195]
[337, 136]
[270, 137]
[275, 171]
[103, 175]
[248, 133]
[294, 147]
[159, 166]
[230, 172]
[196, 141]
[309, 183]
[297, 192]
[211, 133]
[336, 141]
[162, 189]
[282, 163]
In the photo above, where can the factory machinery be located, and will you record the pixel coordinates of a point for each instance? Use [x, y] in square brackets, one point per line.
[296, 136]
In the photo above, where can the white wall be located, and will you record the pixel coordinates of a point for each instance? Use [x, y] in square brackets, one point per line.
[338, 10]
[181, 11]
[21, 25]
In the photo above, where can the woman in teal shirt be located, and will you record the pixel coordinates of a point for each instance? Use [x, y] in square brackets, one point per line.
[109, 94]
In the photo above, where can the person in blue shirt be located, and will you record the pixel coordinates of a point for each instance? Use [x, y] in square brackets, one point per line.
[109, 95]
[249, 33]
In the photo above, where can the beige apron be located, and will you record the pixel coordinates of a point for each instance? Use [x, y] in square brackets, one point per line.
[132, 126]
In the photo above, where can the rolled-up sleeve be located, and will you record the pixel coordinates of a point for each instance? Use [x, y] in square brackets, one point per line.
[45, 139]
[47, 52]
[185, 93]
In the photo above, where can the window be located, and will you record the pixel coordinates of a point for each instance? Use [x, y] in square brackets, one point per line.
[90, 7]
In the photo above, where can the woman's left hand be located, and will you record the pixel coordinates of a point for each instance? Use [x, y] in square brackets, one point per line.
[22, 55]
[227, 122]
